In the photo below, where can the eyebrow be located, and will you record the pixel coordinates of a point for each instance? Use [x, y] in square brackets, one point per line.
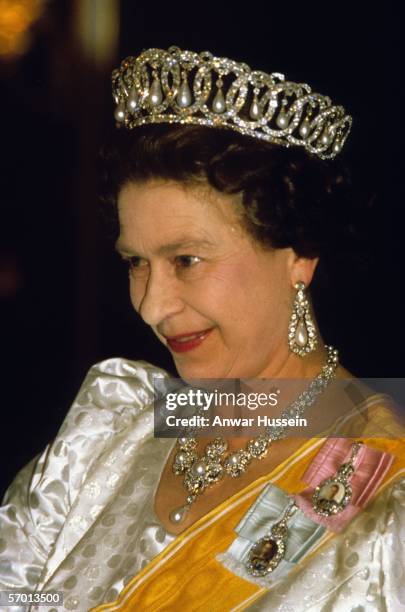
[165, 249]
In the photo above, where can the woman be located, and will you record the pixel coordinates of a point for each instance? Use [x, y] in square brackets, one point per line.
[226, 202]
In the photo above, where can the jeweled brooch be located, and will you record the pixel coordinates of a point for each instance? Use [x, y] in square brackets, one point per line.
[333, 494]
[266, 554]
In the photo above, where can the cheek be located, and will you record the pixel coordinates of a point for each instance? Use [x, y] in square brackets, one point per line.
[222, 297]
[255, 299]
[136, 291]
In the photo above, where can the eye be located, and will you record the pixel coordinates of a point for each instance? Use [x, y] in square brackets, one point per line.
[135, 262]
[186, 261]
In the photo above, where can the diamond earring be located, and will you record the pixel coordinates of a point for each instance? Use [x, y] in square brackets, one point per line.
[302, 336]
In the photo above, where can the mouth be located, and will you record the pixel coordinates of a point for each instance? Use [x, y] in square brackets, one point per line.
[187, 342]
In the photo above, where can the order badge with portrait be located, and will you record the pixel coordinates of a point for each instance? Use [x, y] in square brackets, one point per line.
[331, 496]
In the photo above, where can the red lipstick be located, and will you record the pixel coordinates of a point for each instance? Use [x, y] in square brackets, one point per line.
[187, 342]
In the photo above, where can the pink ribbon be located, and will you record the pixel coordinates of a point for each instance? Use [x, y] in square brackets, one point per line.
[370, 465]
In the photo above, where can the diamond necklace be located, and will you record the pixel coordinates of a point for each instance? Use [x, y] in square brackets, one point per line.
[202, 472]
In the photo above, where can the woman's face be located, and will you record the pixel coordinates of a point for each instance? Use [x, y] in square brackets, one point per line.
[217, 300]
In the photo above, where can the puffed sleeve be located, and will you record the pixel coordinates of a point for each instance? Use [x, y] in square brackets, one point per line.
[24, 544]
[35, 508]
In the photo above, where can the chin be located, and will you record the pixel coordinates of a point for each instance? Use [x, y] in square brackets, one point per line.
[213, 370]
[193, 371]
[190, 373]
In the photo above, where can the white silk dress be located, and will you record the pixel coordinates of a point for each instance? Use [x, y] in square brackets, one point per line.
[80, 519]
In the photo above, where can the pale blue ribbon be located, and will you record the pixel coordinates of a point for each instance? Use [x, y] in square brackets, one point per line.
[267, 510]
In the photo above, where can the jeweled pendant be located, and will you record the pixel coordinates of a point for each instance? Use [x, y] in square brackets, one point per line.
[187, 444]
[199, 468]
[216, 448]
[301, 334]
[184, 95]
[237, 463]
[133, 100]
[262, 553]
[326, 138]
[265, 555]
[268, 552]
[218, 104]
[177, 515]
[155, 94]
[215, 472]
[255, 112]
[258, 447]
[183, 461]
[282, 120]
[194, 483]
[331, 496]
[304, 129]
[119, 113]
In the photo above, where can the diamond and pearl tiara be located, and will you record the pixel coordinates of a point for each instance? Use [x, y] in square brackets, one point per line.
[176, 86]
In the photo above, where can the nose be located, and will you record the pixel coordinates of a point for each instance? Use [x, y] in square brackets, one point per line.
[160, 298]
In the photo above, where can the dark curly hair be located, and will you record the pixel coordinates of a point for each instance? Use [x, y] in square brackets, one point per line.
[290, 197]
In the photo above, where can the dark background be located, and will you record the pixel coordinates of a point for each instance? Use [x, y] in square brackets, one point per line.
[63, 292]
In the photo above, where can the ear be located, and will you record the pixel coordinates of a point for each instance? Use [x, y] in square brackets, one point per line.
[302, 269]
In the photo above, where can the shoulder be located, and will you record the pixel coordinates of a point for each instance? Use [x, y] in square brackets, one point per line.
[115, 399]
[114, 388]
[107, 380]
[111, 414]
[359, 409]
[115, 395]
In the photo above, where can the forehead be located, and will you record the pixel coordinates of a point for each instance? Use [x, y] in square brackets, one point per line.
[160, 208]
